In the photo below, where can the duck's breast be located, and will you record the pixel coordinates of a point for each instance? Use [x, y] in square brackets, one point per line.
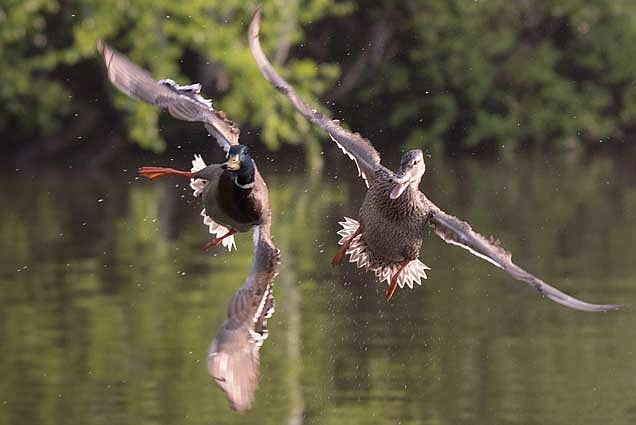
[392, 229]
[232, 206]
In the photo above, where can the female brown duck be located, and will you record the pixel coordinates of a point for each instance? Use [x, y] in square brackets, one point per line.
[395, 214]
[234, 195]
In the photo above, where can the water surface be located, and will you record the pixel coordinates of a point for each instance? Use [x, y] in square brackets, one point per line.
[108, 304]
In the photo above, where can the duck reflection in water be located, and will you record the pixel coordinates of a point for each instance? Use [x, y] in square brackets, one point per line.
[233, 358]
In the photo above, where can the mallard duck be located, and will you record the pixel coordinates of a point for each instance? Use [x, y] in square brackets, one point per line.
[233, 358]
[395, 214]
[233, 194]
[235, 198]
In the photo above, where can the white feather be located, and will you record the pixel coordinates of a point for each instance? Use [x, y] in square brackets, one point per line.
[472, 251]
[353, 158]
[215, 228]
[197, 185]
[217, 231]
[413, 273]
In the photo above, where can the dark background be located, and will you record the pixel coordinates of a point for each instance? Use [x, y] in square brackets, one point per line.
[455, 76]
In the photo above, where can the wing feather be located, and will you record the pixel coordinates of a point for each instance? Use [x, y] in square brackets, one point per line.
[358, 148]
[457, 232]
[182, 102]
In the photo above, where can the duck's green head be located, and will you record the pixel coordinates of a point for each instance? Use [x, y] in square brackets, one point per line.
[410, 174]
[239, 162]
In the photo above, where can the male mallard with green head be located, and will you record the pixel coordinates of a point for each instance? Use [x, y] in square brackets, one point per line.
[234, 195]
[395, 213]
[235, 198]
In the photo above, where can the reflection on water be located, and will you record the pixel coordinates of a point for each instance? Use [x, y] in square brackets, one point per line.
[107, 304]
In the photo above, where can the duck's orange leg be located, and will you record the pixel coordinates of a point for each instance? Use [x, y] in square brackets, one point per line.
[156, 172]
[394, 280]
[337, 259]
[217, 241]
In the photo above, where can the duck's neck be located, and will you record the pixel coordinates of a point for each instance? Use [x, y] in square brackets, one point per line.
[406, 198]
[403, 206]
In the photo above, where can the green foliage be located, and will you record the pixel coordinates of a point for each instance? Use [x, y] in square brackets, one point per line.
[44, 39]
[27, 96]
[472, 73]
[456, 74]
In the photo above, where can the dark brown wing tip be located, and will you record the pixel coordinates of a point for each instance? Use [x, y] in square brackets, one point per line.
[609, 307]
[255, 23]
[240, 407]
[104, 49]
[576, 304]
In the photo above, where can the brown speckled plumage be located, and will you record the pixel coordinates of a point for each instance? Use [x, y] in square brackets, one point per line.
[403, 218]
[392, 231]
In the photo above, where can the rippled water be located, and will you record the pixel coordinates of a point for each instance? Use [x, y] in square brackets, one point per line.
[108, 304]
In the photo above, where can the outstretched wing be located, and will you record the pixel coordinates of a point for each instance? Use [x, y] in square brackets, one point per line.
[233, 358]
[458, 232]
[358, 148]
[182, 102]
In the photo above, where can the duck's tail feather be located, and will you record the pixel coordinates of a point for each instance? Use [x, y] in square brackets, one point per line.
[358, 253]
[218, 230]
[197, 185]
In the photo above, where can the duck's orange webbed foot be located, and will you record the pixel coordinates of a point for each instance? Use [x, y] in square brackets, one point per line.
[156, 172]
[337, 259]
[394, 280]
[217, 241]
